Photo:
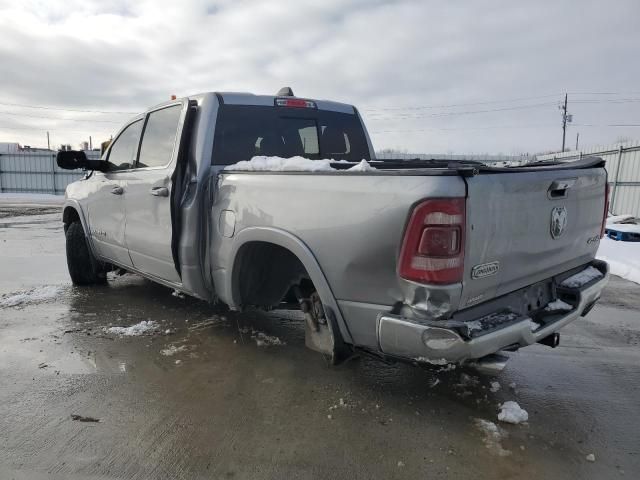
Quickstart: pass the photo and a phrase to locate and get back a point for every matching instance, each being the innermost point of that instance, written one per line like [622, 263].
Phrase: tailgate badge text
[485, 270]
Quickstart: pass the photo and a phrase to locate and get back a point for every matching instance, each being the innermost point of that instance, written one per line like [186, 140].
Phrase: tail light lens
[433, 245]
[606, 210]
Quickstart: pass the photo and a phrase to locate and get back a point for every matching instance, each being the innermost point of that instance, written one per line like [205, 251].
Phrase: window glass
[244, 131]
[159, 137]
[122, 154]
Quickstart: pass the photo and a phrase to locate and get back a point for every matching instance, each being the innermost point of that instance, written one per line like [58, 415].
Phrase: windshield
[244, 131]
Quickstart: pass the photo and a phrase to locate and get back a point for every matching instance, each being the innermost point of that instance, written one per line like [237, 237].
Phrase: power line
[488, 102]
[468, 112]
[65, 109]
[427, 129]
[3, 112]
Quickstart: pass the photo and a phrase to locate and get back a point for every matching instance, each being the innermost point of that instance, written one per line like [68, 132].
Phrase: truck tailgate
[523, 227]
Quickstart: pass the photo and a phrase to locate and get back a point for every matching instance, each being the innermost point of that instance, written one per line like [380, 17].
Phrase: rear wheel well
[264, 273]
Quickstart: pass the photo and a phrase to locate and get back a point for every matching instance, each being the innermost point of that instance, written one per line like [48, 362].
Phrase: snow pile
[510, 412]
[558, 306]
[432, 361]
[264, 340]
[614, 219]
[172, 350]
[623, 258]
[279, 164]
[492, 436]
[533, 326]
[294, 164]
[145, 327]
[35, 295]
[581, 278]
[625, 227]
[363, 166]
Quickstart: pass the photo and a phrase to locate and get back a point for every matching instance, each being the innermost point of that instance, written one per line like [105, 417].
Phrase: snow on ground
[172, 350]
[494, 387]
[38, 199]
[613, 219]
[493, 435]
[264, 340]
[294, 164]
[581, 278]
[558, 306]
[35, 295]
[623, 258]
[143, 328]
[625, 227]
[432, 361]
[511, 412]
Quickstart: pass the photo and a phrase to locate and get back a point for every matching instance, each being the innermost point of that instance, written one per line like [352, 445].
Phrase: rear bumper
[433, 343]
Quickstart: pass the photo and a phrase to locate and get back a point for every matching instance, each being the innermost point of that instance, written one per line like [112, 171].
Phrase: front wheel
[84, 268]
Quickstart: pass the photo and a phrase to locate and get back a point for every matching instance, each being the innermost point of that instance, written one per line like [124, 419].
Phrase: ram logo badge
[558, 221]
[485, 270]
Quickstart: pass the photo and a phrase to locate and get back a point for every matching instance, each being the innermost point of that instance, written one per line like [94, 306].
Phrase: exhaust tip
[552, 340]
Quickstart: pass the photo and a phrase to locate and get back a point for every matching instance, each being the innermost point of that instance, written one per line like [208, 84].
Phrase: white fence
[35, 172]
[623, 167]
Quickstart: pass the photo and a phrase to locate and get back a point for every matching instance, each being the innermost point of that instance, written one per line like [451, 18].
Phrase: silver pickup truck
[425, 260]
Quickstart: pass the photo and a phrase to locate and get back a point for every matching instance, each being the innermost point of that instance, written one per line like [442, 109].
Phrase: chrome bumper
[406, 338]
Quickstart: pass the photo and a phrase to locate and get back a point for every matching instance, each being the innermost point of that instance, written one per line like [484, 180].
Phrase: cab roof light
[295, 102]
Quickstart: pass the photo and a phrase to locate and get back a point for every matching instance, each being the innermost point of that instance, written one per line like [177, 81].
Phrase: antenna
[285, 92]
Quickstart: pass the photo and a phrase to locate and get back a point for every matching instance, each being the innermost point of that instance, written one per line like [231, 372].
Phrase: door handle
[159, 191]
[117, 190]
[558, 188]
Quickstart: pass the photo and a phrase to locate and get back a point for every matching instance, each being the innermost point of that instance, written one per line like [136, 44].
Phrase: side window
[159, 137]
[123, 151]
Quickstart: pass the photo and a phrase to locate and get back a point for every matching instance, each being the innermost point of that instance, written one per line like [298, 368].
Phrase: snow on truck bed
[295, 164]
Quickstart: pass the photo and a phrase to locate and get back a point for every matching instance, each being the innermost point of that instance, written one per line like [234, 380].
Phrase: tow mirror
[74, 159]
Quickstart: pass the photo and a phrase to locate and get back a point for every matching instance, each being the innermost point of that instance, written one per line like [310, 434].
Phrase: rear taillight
[433, 245]
[606, 210]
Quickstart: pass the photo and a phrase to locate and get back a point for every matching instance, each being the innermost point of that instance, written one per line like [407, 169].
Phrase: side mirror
[73, 159]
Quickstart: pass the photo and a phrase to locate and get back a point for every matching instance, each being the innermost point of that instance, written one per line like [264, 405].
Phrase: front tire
[84, 268]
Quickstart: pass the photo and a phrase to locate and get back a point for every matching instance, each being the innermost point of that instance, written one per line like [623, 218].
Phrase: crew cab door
[148, 199]
[105, 203]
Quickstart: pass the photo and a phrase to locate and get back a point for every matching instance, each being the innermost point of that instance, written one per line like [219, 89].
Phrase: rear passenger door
[148, 230]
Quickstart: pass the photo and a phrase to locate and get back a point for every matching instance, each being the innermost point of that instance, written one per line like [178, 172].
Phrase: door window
[122, 154]
[159, 137]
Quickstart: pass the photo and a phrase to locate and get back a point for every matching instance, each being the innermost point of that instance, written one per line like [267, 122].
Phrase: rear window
[244, 131]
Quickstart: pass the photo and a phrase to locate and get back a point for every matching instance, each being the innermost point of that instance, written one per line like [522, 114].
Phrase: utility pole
[564, 121]
[90, 144]
[577, 139]
[48, 144]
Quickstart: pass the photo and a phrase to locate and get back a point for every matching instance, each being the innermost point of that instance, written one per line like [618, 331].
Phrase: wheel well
[263, 274]
[69, 216]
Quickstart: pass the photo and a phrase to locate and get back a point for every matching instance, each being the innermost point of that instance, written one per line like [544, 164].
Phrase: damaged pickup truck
[422, 260]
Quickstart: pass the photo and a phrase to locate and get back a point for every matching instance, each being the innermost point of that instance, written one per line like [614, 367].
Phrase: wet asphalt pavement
[221, 406]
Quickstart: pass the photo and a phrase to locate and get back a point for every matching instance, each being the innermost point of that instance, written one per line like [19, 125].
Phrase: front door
[148, 195]
[105, 205]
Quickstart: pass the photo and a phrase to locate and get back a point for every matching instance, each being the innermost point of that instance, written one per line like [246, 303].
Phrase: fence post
[53, 174]
[615, 181]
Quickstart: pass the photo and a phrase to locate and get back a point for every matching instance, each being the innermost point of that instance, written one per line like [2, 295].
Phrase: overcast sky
[428, 76]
